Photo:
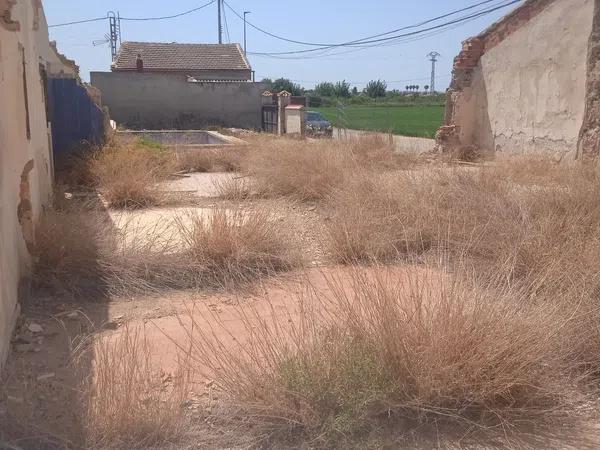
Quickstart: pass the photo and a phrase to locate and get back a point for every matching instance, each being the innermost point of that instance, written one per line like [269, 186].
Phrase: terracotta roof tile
[181, 57]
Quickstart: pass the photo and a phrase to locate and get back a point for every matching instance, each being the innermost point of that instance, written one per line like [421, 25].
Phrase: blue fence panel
[74, 116]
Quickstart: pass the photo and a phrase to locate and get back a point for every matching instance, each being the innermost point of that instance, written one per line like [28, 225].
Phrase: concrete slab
[161, 229]
[201, 184]
[402, 143]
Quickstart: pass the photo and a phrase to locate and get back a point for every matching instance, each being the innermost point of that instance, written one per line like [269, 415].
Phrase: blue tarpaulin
[75, 118]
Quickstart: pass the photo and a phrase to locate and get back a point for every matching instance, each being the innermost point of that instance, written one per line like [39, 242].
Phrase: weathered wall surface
[159, 101]
[25, 156]
[520, 86]
[589, 138]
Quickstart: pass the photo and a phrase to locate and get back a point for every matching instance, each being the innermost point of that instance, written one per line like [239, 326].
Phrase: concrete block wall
[164, 101]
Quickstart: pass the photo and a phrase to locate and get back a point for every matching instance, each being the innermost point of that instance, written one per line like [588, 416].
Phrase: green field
[422, 121]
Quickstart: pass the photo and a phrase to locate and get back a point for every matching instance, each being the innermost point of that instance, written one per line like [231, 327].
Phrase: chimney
[139, 63]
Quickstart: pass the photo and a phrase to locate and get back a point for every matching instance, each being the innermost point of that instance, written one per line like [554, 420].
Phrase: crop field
[419, 120]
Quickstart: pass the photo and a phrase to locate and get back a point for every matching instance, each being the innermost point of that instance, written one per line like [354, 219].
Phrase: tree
[355, 91]
[426, 87]
[342, 89]
[283, 84]
[325, 89]
[407, 87]
[417, 87]
[376, 88]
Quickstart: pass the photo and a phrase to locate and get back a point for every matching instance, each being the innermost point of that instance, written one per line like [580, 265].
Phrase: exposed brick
[589, 136]
[6, 20]
[470, 55]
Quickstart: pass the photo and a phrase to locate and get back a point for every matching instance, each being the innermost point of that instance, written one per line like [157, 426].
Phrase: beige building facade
[26, 168]
[522, 86]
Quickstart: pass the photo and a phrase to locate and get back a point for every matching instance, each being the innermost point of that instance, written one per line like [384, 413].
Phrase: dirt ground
[41, 387]
[52, 359]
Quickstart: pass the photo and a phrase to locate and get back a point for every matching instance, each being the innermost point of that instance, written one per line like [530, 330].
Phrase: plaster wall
[161, 101]
[529, 89]
[25, 157]
[295, 121]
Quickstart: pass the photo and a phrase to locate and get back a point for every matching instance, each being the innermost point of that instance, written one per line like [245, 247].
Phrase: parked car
[317, 125]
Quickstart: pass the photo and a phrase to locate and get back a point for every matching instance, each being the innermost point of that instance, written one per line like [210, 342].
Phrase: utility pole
[114, 35]
[219, 22]
[245, 12]
[433, 58]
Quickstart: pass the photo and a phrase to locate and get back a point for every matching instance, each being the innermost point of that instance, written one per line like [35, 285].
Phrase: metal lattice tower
[433, 56]
[114, 36]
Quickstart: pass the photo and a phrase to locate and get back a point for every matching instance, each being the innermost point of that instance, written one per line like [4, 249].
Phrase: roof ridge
[178, 43]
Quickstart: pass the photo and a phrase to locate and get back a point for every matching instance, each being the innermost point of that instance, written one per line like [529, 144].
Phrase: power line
[135, 18]
[77, 22]
[392, 38]
[328, 55]
[173, 16]
[362, 40]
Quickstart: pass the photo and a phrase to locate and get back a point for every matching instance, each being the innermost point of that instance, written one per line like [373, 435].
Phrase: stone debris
[23, 348]
[35, 328]
[46, 376]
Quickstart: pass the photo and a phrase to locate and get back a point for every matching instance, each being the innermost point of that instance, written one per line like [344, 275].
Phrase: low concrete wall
[160, 101]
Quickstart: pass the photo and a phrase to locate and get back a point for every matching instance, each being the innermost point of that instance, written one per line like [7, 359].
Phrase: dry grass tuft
[377, 218]
[389, 350]
[478, 213]
[301, 169]
[128, 403]
[68, 252]
[312, 169]
[236, 189]
[127, 174]
[374, 151]
[233, 246]
[219, 159]
[85, 255]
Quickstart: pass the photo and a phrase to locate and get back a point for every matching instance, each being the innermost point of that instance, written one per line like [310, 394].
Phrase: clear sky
[328, 21]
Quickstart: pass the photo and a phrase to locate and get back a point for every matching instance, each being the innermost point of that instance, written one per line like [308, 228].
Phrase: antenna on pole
[220, 27]
[113, 37]
[433, 56]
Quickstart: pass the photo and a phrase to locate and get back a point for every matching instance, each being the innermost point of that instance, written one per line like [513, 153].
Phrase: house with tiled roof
[153, 85]
[218, 62]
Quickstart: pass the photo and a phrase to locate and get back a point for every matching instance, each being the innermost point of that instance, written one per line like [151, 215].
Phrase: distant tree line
[326, 92]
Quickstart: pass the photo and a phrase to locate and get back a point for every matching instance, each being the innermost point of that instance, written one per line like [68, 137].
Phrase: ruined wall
[589, 137]
[520, 86]
[25, 157]
[159, 101]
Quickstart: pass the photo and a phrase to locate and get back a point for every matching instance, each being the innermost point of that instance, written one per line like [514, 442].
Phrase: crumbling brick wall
[589, 138]
[6, 19]
[527, 45]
